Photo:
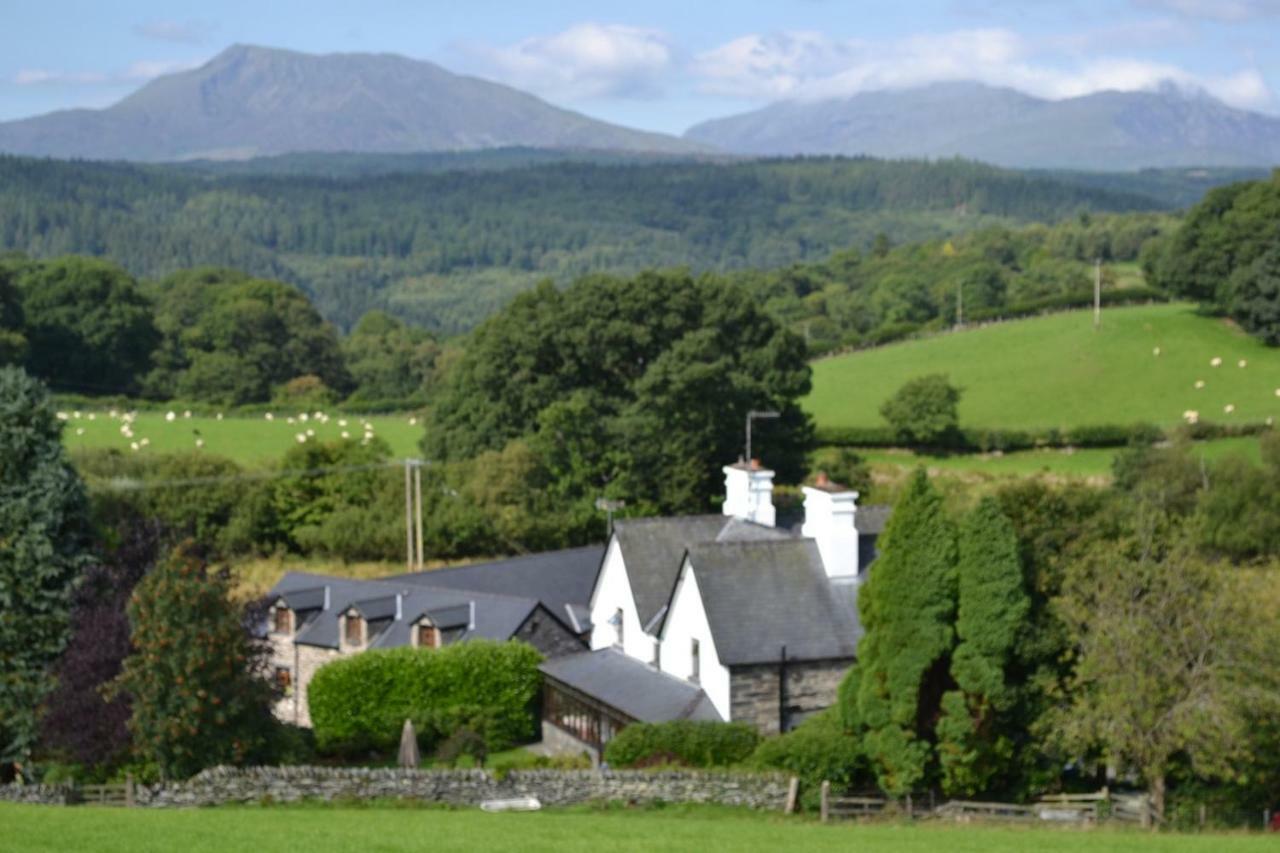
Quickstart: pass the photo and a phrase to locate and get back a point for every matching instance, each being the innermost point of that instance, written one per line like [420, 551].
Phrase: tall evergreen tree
[195, 681]
[908, 608]
[42, 538]
[972, 746]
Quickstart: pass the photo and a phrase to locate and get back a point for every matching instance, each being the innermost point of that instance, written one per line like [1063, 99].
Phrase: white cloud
[586, 60]
[181, 32]
[807, 65]
[137, 72]
[1231, 11]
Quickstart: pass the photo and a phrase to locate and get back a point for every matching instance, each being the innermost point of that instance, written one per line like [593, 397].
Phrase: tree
[13, 343]
[1174, 657]
[388, 359]
[908, 608]
[89, 327]
[923, 411]
[974, 742]
[1255, 297]
[195, 679]
[43, 526]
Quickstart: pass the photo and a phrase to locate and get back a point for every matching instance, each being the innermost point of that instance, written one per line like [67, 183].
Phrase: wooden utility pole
[408, 514]
[417, 493]
[959, 305]
[1097, 294]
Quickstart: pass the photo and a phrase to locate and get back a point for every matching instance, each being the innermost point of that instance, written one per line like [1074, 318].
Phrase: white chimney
[748, 492]
[829, 511]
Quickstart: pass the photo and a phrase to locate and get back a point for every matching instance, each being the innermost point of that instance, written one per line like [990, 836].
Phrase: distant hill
[1108, 131]
[251, 101]
[1057, 372]
[445, 249]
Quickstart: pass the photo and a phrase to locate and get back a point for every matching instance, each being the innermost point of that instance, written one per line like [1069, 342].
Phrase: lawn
[1081, 463]
[1056, 371]
[390, 828]
[248, 440]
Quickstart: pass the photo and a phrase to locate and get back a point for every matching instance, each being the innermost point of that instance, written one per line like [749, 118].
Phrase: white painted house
[727, 617]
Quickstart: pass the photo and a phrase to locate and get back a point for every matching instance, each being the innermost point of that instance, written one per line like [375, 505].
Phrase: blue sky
[659, 64]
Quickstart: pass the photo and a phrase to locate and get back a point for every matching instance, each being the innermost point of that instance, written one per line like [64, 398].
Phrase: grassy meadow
[1056, 371]
[248, 440]
[393, 828]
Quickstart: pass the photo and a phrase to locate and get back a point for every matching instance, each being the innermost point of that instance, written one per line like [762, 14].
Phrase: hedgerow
[359, 704]
[695, 744]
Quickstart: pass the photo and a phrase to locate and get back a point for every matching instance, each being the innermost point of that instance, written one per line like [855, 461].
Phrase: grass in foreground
[247, 440]
[390, 828]
[1056, 371]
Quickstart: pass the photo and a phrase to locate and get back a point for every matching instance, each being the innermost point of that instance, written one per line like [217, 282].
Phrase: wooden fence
[115, 794]
[1065, 808]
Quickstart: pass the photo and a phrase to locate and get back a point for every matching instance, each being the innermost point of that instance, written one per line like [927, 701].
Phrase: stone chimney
[829, 511]
[748, 492]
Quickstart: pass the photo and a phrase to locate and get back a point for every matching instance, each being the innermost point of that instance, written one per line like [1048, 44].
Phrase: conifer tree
[42, 538]
[908, 610]
[195, 678]
[993, 604]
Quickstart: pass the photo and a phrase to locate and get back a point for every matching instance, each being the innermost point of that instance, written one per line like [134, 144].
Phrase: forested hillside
[446, 249]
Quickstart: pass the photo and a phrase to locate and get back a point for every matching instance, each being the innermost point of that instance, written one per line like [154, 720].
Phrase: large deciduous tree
[43, 526]
[195, 679]
[908, 609]
[923, 411]
[973, 743]
[1175, 658]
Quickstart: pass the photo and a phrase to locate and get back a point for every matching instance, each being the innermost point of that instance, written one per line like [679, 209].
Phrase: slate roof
[632, 687]
[652, 549]
[762, 595]
[561, 580]
[497, 617]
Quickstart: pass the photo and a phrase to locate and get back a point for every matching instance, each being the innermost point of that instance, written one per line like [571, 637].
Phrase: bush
[359, 704]
[695, 744]
[818, 749]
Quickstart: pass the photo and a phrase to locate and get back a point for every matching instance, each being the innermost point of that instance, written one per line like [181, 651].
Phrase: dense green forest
[444, 249]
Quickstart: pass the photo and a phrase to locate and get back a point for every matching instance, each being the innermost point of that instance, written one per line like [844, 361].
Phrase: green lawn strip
[248, 440]
[387, 827]
[1083, 463]
[1056, 371]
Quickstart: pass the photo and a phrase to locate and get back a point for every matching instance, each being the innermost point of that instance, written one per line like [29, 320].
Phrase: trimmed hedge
[359, 704]
[816, 750]
[975, 440]
[693, 744]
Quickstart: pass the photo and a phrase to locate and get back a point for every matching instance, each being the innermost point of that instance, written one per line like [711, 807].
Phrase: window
[617, 623]
[354, 633]
[283, 622]
[428, 637]
[284, 680]
[695, 661]
[657, 654]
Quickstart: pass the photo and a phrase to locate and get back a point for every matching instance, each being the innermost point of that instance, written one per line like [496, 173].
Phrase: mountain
[251, 101]
[1109, 131]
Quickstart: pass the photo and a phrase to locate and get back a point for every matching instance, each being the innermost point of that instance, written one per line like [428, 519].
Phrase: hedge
[971, 439]
[818, 749]
[359, 704]
[693, 744]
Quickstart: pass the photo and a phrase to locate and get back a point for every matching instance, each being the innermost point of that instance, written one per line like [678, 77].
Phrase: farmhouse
[726, 617]
[718, 617]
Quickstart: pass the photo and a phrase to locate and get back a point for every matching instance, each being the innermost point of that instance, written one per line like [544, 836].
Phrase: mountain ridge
[1110, 130]
[257, 101]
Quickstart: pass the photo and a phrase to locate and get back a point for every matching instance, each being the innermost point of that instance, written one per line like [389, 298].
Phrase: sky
[659, 64]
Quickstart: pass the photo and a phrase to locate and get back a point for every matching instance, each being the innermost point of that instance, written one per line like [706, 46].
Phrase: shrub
[818, 749]
[923, 411]
[696, 744]
[360, 703]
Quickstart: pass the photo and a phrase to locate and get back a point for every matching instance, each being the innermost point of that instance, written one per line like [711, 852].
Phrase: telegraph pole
[417, 493]
[959, 304]
[1097, 294]
[408, 514]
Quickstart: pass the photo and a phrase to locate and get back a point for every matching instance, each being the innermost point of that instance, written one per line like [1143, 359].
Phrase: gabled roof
[651, 550]
[305, 599]
[561, 580]
[762, 595]
[634, 688]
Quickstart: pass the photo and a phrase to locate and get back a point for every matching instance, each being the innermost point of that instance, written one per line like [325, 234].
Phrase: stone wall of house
[454, 787]
[548, 636]
[302, 661]
[811, 687]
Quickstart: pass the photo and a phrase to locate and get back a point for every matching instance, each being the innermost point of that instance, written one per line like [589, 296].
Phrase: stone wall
[39, 794]
[811, 687]
[454, 787]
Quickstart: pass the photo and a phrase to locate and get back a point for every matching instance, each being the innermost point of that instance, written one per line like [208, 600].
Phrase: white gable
[612, 594]
[687, 621]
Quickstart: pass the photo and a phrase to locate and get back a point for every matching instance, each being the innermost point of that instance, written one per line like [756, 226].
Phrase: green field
[389, 828]
[1056, 371]
[247, 440]
[1080, 463]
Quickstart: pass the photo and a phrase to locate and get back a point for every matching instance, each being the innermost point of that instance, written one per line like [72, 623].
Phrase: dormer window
[428, 636]
[353, 630]
[282, 621]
